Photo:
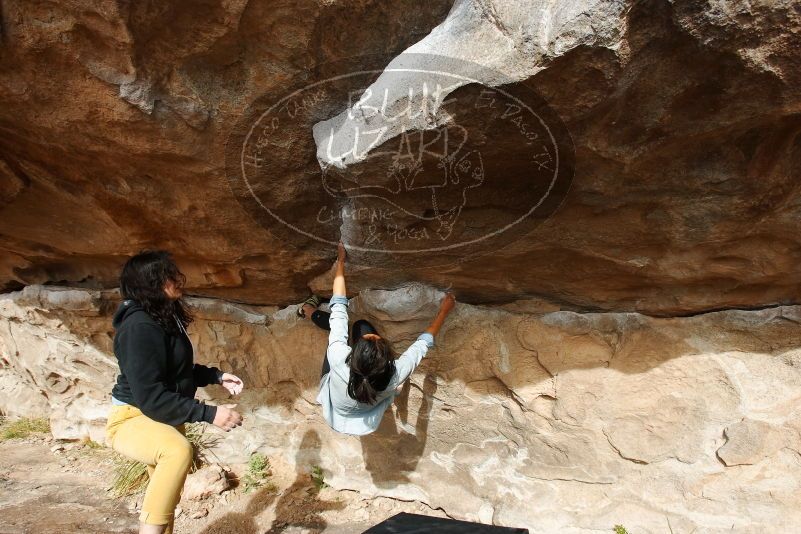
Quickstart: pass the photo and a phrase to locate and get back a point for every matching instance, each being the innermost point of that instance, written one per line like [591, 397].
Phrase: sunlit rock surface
[557, 421]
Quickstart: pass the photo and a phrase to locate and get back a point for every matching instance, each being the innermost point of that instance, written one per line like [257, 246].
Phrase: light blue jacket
[343, 413]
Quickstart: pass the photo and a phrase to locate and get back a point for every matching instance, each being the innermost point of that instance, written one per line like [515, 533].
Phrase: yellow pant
[166, 452]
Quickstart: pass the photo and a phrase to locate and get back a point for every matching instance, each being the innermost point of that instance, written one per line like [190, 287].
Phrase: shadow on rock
[243, 522]
[391, 453]
[300, 505]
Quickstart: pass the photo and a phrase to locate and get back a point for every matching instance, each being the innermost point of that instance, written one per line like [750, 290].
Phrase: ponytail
[360, 388]
[372, 366]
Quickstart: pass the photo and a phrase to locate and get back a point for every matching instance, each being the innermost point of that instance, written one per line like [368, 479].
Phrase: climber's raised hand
[341, 252]
[447, 303]
[445, 306]
[339, 275]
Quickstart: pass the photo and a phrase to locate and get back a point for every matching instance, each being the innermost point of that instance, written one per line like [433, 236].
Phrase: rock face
[683, 118]
[558, 421]
[54, 359]
[748, 441]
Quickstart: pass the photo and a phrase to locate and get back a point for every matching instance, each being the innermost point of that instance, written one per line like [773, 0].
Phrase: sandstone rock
[525, 36]
[64, 367]
[558, 421]
[205, 482]
[18, 398]
[683, 116]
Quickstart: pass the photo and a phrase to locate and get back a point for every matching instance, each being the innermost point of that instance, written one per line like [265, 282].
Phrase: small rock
[200, 513]
[57, 448]
[205, 482]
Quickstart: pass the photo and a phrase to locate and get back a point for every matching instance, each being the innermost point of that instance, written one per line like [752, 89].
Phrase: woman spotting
[155, 390]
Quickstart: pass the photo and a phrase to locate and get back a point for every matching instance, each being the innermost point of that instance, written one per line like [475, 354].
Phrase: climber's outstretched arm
[410, 359]
[445, 307]
[339, 277]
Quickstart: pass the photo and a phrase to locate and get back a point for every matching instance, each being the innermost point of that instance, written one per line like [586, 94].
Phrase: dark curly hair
[372, 365]
[142, 280]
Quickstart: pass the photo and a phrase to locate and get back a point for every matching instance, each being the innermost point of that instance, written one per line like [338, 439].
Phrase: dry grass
[23, 427]
[131, 477]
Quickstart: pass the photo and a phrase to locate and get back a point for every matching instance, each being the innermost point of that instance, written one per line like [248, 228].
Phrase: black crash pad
[420, 524]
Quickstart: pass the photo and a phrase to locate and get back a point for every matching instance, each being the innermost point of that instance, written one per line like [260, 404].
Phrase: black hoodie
[157, 374]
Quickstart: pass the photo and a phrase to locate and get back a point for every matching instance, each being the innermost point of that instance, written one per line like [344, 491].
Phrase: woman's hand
[445, 306]
[447, 303]
[339, 275]
[232, 383]
[227, 418]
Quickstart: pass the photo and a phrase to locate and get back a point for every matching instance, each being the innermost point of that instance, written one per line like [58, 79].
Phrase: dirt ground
[49, 487]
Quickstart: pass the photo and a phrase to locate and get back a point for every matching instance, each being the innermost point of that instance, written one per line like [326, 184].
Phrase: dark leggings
[359, 328]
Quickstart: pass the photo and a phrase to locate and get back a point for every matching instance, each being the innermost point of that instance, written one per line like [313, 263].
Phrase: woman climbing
[358, 383]
[155, 390]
